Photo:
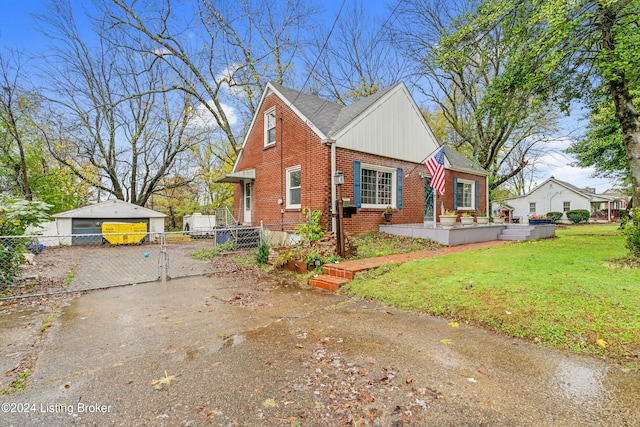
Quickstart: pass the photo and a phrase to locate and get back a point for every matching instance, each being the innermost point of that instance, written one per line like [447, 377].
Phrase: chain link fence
[48, 264]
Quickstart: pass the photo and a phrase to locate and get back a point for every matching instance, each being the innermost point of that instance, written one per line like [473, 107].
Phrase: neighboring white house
[89, 219]
[554, 195]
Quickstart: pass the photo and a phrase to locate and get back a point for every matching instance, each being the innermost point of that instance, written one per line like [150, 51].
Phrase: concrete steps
[517, 232]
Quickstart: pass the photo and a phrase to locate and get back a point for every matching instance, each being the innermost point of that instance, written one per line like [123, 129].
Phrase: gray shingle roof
[350, 112]
[322, 113]
[458, 160]
[330, 117]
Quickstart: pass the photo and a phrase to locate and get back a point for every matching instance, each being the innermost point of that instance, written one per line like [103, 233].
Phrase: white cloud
[202, 117]
[557, 164]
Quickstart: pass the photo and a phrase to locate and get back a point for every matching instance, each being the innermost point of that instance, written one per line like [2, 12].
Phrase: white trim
[394, 186]
[472, 184]
[288, 172]
[266, 114]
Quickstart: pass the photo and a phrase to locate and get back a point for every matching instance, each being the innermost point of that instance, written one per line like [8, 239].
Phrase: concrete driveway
[221, 351]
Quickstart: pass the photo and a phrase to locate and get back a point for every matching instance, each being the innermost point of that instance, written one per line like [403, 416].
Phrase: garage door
[85, 230]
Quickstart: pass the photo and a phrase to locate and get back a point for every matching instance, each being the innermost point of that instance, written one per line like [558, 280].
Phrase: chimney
[591, 190]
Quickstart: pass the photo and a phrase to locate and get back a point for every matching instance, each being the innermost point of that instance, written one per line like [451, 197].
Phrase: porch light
[339, 177]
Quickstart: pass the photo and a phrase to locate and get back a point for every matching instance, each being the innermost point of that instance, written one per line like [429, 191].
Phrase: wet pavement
[213, 351]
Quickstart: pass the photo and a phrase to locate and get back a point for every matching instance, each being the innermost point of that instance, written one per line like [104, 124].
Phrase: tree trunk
[626, 112]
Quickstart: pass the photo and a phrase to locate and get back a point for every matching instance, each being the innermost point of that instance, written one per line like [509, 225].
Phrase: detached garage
[89, 220]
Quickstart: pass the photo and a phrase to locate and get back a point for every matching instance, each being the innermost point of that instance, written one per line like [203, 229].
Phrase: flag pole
[423, 160]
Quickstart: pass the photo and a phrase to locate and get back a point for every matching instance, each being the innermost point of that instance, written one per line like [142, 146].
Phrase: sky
[18, 30]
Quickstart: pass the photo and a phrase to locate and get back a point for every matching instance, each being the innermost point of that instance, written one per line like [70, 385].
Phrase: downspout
[332, 144]
[551, 198]
[281, 178]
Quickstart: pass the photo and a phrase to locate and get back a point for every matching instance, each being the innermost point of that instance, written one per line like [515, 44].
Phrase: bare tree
[355, 60]
[112, 123]
[15, 107]
[222, 57]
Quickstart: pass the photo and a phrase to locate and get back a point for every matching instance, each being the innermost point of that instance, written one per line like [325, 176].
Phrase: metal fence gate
[53, 264]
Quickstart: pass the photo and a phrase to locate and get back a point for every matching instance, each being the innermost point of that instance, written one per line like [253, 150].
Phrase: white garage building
[89, 219]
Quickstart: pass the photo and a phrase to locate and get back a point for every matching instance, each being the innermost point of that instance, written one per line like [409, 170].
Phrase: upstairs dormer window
[270, 127]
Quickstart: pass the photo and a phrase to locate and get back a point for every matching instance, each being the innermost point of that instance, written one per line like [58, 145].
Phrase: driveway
[245, 350]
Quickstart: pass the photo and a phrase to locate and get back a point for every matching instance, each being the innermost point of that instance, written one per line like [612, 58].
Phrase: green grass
[565, 293]
[380, 244]
[19, 384]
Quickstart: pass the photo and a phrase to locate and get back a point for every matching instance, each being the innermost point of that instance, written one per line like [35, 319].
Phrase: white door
[247, 202]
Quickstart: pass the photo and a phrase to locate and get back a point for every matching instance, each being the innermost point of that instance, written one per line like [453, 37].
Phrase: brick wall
[447, 197]
[296, 144]
[367, 219]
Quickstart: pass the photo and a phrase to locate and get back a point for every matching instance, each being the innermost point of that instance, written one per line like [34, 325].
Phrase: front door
[247, 202]
[429, 203]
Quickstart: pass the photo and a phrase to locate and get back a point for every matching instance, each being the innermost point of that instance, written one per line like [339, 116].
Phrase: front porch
[460, 235]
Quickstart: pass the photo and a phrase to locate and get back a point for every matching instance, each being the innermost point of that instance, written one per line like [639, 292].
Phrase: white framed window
[378, 186]
[293, 187]
[532, 207]
[466, 194]
[566, 206]
[270, 127]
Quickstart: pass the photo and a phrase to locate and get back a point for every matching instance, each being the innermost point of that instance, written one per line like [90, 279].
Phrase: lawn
[565, 292]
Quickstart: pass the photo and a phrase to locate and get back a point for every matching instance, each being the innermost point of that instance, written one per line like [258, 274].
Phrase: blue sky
[18, 30]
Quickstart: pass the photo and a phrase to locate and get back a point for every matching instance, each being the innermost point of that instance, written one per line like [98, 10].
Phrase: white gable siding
[550, 197]
[393, 127]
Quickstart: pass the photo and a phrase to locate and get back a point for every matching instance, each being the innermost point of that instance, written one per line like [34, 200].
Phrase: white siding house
[554, 195]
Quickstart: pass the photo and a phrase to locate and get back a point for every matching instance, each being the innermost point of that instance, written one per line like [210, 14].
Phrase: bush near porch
[552, 292]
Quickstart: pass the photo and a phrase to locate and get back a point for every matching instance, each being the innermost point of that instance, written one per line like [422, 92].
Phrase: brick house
[296, 142]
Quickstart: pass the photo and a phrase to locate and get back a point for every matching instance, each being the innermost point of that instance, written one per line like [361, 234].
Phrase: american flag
[435, 167]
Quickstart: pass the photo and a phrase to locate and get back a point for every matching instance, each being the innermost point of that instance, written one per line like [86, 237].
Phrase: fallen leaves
[163, 381]
[269, 403]
[446, 341]
[454, 324]
[602, 343]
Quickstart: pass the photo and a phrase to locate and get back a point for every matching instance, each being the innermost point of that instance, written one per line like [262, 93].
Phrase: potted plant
[448, 218]
[499, 219]
[481, 219]
[466, 219]
[387, 213]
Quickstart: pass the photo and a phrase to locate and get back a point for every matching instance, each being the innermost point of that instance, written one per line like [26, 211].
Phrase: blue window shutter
[400, 183]
[357, 193]
[477, 207]
[455, 193]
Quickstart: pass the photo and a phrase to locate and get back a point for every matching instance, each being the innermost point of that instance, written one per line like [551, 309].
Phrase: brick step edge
[330, 283]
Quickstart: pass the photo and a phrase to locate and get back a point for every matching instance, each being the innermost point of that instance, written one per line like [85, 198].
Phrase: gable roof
[580, 191]
[111, 209]
[330, 120]
[350, 112]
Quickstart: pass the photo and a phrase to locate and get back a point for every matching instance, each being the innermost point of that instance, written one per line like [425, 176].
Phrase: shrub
[555, 216]
[631, 231]
[579, 215]
[262, 257]
[312, 229]
[15, 217]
